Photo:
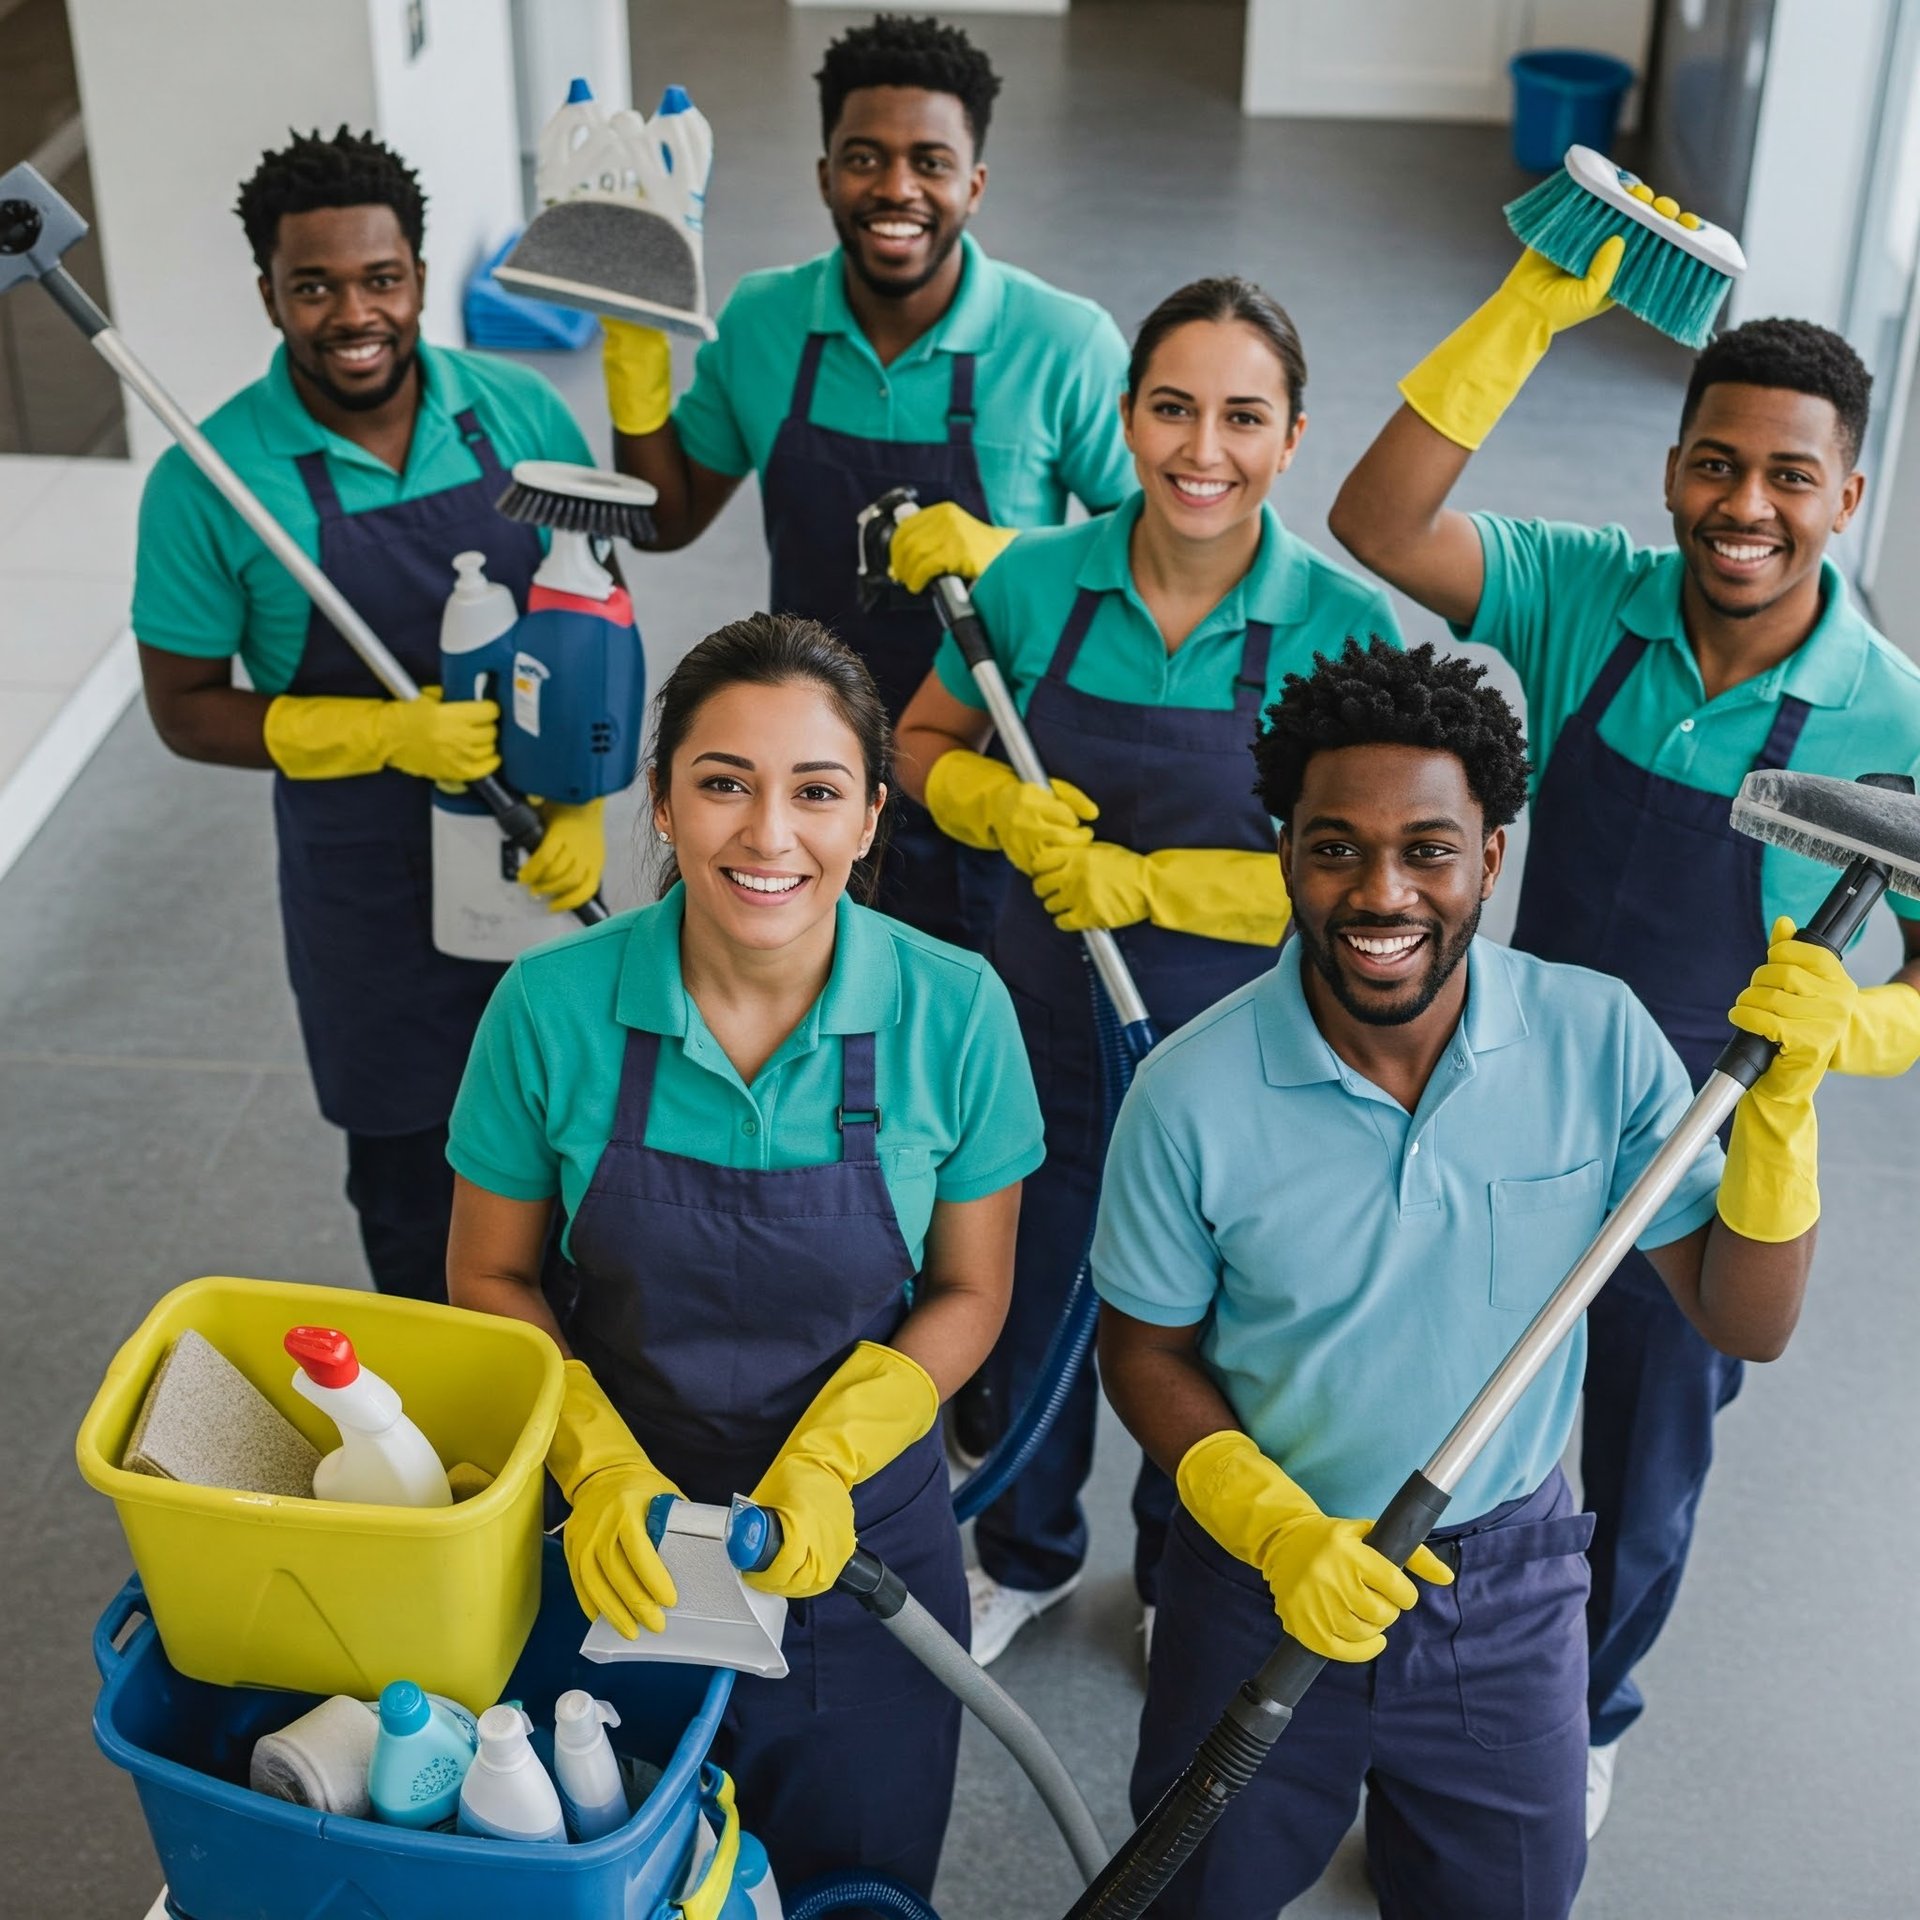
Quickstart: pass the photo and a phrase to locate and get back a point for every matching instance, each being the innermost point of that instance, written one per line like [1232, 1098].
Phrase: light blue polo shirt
[1047, 381]
[205, 584]
[959, 1118]
[1556, 601]
[1314, 605]
[1360, 1271]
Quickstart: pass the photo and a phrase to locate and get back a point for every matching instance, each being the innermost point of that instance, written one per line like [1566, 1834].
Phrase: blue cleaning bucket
[1564, 98]
[229, 1853]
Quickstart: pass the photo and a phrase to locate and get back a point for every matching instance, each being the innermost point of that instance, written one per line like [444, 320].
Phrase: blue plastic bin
[1564, 98]
[232, 1854]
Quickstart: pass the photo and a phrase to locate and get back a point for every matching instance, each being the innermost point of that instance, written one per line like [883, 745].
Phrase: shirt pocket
[1540, 1228]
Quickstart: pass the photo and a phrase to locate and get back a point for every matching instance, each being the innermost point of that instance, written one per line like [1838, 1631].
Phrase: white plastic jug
[579, 151]
[506, 1794]
[684, 142]
[383, 1460]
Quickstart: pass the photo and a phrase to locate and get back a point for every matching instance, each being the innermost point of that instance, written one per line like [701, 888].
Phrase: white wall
[1810, 155]
[180, 98]
[1419, 59]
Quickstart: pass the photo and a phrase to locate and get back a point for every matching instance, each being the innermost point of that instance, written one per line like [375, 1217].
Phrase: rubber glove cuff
[325, 737]
[1883, 1037]
[873, 1409]
[1223, 893]
[637, 364]
[945, 538]
[1470, 379]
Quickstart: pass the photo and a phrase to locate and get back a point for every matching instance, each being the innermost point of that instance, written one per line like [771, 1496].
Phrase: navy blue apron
[814, 486]
[1468, 1734]
[1644, 878]
[1162, 777]
[713, 1303]
[388, 1019]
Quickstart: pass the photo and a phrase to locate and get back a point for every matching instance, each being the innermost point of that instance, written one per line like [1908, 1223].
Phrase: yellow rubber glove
[1224, 893]
[1803, 999]
[321, 737]
[1470, 379]
[945, 539]
[637, 365]
[567, 864]
[984, 803]
[1333, 1593]
[1883, 1037]
[610, 1484]
[872, 1410]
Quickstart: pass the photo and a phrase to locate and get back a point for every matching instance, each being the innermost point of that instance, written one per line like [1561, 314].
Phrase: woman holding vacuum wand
[1140, 648]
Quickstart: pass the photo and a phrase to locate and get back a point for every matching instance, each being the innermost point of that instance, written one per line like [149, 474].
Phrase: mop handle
[519, 823]
[955, 606]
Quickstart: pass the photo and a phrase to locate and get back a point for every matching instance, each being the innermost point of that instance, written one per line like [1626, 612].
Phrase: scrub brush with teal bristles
[1677, 267]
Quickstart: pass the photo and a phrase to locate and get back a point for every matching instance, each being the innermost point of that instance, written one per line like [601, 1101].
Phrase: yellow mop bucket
[251, 1589]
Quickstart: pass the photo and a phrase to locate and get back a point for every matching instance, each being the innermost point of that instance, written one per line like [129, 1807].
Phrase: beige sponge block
[205, 1423]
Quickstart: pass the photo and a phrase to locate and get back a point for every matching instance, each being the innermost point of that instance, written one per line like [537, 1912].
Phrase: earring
[666, 839]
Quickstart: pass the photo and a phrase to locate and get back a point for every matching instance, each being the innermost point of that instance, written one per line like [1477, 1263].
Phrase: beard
[1427, 988]
[358, 401]
[945, 239]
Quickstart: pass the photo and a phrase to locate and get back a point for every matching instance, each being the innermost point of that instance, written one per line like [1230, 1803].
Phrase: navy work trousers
[1035, 1535]
[402, 1188]
[1653, 1387]
[1468, 1735]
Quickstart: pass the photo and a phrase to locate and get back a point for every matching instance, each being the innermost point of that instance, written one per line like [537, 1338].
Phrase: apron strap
[637, 1066]
[312, 469]
[481, 447]
[960, 402]
[1250, 688]
[1784, 735]
[1066, 649]
[1611, 678]
[801, 406]
[858, 1115]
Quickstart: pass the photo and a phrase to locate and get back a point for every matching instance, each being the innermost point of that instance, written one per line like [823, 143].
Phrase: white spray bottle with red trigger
[384, 1460]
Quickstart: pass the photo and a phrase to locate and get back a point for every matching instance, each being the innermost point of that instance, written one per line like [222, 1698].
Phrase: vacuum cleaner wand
[1871, 827]
[875, 529]
[36, 228]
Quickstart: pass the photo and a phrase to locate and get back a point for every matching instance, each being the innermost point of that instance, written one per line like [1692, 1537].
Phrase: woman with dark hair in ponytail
[1142, 647]
[787, 1136]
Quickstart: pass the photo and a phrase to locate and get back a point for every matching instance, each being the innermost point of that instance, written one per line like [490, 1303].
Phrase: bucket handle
[130, 1600]
[706, 1900]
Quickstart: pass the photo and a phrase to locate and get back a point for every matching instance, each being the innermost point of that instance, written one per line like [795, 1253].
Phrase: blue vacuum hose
[858, 1893]
[1121, 1049]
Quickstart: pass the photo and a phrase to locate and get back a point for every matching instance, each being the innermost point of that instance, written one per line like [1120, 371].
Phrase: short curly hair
[346, 170]
[1794, 354]
[1377, 695]
[899, 51]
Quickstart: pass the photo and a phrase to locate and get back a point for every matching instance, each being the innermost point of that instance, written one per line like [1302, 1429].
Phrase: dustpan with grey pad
[611, 255]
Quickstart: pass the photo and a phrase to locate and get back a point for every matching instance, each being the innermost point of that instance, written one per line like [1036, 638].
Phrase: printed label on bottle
[529, 676]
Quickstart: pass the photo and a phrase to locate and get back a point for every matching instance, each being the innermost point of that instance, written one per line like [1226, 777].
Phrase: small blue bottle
[420, 1757]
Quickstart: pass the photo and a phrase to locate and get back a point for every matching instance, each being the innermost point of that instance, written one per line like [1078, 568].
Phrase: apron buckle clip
[858, 1116]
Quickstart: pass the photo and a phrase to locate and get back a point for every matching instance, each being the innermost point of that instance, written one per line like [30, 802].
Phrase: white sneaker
[1147, 1611]
[1600, 1765]
[1000, 1612]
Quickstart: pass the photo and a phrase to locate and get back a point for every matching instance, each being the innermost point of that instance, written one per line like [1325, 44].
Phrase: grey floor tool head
[1835, 821]
[614, 257]
[36, 226]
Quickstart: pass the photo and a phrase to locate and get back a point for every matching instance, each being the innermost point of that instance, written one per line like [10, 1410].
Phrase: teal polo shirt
[1314, 604]
[1361, 1271]
[1557, 600]
[960, 1118]
[205, 584]
[1047, 383]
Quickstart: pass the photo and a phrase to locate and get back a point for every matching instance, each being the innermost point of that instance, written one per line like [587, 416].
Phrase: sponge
[206, 1424]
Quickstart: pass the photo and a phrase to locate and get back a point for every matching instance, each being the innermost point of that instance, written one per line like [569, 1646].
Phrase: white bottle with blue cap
[684, 143]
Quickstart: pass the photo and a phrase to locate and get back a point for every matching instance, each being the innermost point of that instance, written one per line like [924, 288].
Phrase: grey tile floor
[157, 1122]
